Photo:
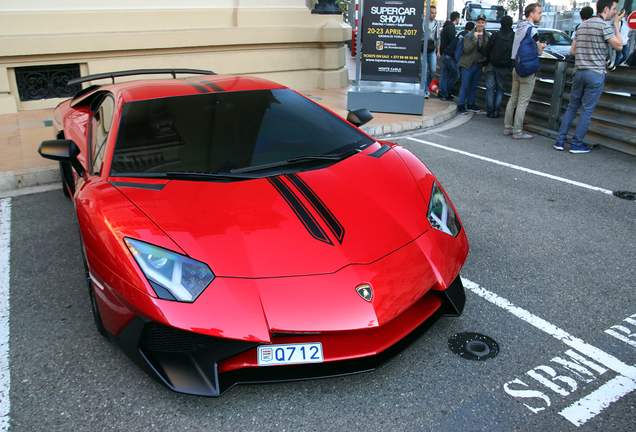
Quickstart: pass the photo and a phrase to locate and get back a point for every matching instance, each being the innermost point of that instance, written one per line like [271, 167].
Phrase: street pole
[427, 8]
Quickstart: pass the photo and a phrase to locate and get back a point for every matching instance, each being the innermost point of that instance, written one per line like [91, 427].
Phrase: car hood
[557, 51]
[563, 49]
[315, 222]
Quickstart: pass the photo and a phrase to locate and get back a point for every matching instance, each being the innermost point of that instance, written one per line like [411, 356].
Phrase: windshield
[225, 131]
[493, 14]
[554, 38]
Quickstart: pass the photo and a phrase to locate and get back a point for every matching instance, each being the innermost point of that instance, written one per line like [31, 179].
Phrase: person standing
[590, 51]
[432, 49]
[470, 64]
[497, 66]
[450, 71]
[586, 13]
[522, 87]
[621, 56]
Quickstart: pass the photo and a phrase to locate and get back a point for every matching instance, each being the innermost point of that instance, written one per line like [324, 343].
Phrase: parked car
[235, 231]
[559, 44]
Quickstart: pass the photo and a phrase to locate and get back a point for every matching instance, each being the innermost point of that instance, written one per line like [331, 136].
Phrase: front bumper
[202, 365]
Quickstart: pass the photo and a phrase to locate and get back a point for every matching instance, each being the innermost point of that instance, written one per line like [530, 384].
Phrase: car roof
[159, 88]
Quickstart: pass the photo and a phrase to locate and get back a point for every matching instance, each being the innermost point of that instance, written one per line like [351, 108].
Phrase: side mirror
[62, 150]
[359, 117]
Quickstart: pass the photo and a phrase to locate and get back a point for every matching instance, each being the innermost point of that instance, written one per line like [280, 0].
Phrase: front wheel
[97, 316]
[66, 173]
[99, 324]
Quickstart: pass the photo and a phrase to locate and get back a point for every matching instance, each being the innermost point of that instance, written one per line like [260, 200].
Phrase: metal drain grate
[630, 196]
[473, 346]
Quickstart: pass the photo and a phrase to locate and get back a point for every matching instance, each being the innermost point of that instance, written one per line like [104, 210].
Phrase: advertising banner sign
[392, 40]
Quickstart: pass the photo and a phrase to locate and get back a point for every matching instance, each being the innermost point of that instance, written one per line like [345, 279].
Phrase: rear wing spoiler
[113, 75]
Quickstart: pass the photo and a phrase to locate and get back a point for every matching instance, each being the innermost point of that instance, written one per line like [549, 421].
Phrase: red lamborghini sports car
[234, 231]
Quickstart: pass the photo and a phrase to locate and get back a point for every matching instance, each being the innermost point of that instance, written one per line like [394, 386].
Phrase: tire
[66, 173]
[99, 324]
[97, 316]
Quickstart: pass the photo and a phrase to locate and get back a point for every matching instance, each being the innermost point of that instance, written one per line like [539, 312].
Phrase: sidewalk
[21, 134]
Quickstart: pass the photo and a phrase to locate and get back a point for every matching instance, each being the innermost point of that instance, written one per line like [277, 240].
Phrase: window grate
[46, 82]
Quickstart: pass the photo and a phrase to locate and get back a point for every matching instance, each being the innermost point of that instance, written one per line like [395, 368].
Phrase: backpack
[499, 51]
[459, 50]
[452, 46]
[527, 58]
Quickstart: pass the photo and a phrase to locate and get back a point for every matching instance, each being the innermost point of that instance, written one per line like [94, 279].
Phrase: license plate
[270, 355]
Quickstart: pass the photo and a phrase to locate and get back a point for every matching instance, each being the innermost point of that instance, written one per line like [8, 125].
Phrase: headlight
[440, 213]
[171, 275]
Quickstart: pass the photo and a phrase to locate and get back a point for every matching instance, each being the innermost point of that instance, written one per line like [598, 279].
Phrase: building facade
[44, 43]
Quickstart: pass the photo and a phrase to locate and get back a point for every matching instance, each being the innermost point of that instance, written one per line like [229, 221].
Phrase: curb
[20, 179]
[427, 122]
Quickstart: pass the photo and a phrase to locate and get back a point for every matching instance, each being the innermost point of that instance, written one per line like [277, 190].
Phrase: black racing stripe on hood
[334, 225]
[300, 210]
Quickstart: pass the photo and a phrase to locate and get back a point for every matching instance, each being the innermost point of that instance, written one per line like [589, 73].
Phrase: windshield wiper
[295, 160]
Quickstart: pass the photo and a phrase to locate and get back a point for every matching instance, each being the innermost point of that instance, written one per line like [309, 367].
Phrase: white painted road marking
[516, 167]
[5, 374]
[591, 405]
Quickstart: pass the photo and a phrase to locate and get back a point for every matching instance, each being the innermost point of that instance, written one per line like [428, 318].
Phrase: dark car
[558, 44]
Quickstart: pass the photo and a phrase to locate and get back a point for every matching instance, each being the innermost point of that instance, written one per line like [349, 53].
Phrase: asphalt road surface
[551, 277]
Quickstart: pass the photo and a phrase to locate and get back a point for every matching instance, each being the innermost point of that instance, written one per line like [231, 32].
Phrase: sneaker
[507, 131]
[497, 115]
[490, 115]
[427, 95]
[473, 108]
[450, 97]
[521, 135]
[461, 109]
[579, 149]
[558, 146]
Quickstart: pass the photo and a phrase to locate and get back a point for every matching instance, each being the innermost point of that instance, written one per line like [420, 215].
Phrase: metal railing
[613, 122]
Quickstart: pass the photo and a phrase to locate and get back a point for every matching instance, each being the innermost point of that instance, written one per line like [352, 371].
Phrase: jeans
[621, 56]
[587, 87]
[470, 80]
[450, 75]
[495, 82]
[520, 95]
[431, 66]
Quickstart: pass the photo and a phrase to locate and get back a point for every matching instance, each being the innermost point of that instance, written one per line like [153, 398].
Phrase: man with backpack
[475, 43]
[590, 51]
[526, 50]
[450, 73]
[451, 56]
[497, 66]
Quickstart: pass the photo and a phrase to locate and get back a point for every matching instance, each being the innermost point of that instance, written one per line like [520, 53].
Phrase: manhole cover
[473, 346]
[630, 196]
